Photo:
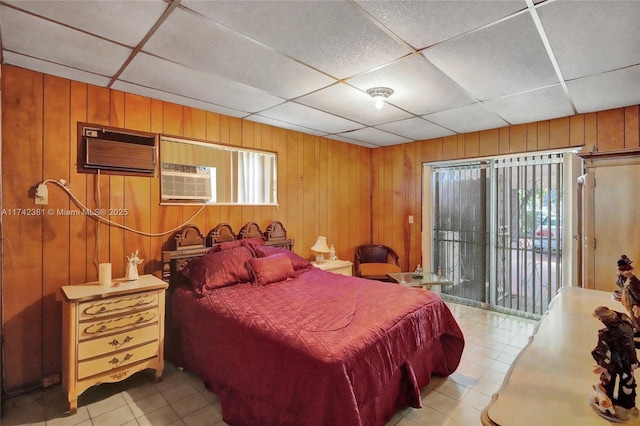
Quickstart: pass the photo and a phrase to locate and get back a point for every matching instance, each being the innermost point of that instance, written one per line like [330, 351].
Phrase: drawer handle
[119, 305]
[118, 323]
[117, 344]
[115, 361]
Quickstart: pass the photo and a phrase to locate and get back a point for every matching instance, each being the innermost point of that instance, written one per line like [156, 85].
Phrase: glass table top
[412, 280]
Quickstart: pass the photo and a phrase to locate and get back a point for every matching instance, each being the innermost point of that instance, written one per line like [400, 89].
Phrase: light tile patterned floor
[493, 340]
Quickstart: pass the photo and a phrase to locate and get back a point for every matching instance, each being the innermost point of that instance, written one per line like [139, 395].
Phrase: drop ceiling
[454, 66]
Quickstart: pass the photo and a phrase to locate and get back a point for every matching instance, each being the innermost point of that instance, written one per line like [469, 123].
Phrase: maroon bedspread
[319, 349]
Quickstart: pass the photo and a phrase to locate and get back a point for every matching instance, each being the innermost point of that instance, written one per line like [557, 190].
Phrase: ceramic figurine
[629, 291]
[418, 272]
[624, 264]
[614, 396]
[132, 267]
[332, 253]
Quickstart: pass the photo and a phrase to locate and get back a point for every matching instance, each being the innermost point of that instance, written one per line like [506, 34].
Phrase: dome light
[379, 95]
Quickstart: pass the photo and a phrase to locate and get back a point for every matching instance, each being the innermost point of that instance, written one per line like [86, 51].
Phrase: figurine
[630, 290]
[624, 263]
[132, 267]
[418, 272]
[332, 253]
[616, 357]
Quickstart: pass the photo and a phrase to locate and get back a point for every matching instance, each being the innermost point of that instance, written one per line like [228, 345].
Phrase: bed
[284, 343]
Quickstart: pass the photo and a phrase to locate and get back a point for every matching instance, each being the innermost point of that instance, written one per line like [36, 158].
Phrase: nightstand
[343, 267]
[111, 332]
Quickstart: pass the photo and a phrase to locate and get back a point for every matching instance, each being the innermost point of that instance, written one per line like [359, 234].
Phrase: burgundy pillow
[219, 269]
[253, 242]
[297, 261]
[226, 245]
[195, 271]
[270, 269]
[247, 242]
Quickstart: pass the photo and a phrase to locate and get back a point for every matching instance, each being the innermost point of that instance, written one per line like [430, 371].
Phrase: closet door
[611, 217]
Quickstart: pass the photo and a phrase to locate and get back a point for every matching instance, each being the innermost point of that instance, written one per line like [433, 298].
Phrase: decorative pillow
[270, 269]
[219, 269]
[247, 242]
[226, 245]
[253, 242]
[195, 271]
[297, 261]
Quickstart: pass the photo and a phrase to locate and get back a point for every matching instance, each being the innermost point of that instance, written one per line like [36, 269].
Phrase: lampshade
[321, 245]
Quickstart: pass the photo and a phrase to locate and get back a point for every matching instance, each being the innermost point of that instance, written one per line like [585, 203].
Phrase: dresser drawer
[116, 305]
[92, 329]
[116, 360]
[117, 342]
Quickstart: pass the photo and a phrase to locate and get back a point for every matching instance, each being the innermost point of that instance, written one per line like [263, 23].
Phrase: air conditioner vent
[116, 150]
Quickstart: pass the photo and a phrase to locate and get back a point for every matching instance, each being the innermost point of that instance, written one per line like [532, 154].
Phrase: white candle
[104, 274]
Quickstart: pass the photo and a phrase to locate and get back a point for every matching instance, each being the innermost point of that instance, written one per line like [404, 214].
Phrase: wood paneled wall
[323, 189]
[397, 170]
[352, 195]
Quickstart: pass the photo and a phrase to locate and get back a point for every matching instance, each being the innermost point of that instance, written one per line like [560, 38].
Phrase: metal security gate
[497, 231]
[529, 241]
[460, 229]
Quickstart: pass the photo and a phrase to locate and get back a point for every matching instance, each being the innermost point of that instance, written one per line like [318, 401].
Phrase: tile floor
[493, 340]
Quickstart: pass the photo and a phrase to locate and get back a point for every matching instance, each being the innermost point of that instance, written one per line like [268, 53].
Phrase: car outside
[548, 234]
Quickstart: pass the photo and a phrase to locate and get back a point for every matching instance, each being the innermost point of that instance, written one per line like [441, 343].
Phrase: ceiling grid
[454, 66]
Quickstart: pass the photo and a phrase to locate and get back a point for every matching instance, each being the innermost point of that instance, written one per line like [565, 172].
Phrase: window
[193, 172]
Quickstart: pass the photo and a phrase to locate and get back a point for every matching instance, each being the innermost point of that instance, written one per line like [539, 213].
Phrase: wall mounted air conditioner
[182, 182]
[115, 150]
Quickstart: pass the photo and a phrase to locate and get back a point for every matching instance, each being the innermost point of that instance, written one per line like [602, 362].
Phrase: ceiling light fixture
[379, 94]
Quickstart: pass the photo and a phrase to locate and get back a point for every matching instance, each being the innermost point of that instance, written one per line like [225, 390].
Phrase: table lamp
[320, 247]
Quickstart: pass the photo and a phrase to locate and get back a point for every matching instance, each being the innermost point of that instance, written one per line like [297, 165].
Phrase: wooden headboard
[189, 243]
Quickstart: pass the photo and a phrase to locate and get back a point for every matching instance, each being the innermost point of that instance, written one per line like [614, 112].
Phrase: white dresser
[111, 332]
[550, 381]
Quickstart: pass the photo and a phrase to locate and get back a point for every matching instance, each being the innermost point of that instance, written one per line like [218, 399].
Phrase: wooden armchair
[374, 261]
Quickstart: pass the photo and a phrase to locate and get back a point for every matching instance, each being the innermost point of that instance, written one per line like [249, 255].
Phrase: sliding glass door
[529, 198]
[497, 230]
[459, 228]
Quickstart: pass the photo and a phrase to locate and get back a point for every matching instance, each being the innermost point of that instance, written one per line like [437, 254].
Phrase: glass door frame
[572, 166]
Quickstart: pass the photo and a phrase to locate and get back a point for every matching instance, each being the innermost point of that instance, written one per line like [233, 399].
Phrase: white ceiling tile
[416, 129]
[59, 44]
[311, 118]
[274, 60]
[535, 105]
[176, 99]
[614, 89]
[328, 35]
[54, 69]
[373, 136]
[147, 70]
[590, 37]
[506, 58]
[284, 125]
[419, 87]
[352, 104]
[341, 138]
[425, 23]
[125, 21]
[469, 118]
[232, 56]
